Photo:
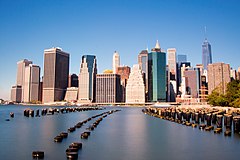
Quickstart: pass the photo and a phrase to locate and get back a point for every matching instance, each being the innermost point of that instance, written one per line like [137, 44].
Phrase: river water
[125, 135]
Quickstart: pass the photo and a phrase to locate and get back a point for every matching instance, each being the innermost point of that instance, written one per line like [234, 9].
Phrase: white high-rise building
[21, 65]
[135, 90]
[116, 62]
[31, 84]
[87, 79]
[172, 63]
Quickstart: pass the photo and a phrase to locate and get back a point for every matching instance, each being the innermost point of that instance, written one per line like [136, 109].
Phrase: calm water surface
[128, 134]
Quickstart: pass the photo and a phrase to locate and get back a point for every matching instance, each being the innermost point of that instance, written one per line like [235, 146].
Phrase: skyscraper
[135, 90]
[31, 84]
[218, 77]
[87, 79]
[192, 77]
[116, 62]
[206, 54]
[156, 75]
[143, 63]
[55, 76]
[172, 75]
[124, 72]
[108, 88]
[21, 65]
[16, 94]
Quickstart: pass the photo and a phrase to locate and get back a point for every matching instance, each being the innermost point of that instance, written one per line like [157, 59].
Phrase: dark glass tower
[206, 54]
[157, 75]
[55, 77]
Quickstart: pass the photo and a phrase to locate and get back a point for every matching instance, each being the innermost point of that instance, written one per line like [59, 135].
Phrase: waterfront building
[55, 76]
[181, 69]
[72, 80]
[172, 75]
[108, 88]
[116, 62]
[218, 77]
[135, 89]
[71, 94]
[21, 65]
[156, 75]
[16, 94]
[124, 72]
[143, 63]
[206, 54]
[87, 79]
[192, 80]
[31, 84]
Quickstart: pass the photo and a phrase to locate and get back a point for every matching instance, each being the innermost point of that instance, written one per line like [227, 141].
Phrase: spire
[157, 45]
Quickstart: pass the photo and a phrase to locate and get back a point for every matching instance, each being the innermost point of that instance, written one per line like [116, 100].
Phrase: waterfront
[128, 134]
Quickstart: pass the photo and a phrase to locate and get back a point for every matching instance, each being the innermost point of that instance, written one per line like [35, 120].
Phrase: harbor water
[128, 134]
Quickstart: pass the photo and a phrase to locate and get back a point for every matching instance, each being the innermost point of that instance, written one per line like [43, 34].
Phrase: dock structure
[208, 119]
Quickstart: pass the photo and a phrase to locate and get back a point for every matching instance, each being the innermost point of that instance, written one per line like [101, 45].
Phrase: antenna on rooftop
[205, 32]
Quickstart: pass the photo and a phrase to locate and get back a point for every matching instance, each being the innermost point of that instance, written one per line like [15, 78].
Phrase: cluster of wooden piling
[51, 111]
[72, 150]
[205, 118]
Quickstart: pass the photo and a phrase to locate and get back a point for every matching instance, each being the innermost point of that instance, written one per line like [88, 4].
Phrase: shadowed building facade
[143, 63]
[124, 72]
[55, 76]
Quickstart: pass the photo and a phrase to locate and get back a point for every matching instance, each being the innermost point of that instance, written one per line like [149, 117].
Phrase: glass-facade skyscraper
[206, 54]
[157, 75]
[87, 79]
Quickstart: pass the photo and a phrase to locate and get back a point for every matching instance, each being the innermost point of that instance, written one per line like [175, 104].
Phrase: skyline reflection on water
[128, 134]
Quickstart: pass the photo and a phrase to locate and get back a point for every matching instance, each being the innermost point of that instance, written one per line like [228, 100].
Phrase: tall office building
[172, 64]
[87, 79]
[192, 79]
[108, 88]
[206, 54]
[135, 90]
[116, 62]
[31, 84]
[16, 94]
[55, 76]
[143, 63]
[172, 75]
[124, 72]
[21, 65]
[72, 80]
[156, 75]
[218, 77]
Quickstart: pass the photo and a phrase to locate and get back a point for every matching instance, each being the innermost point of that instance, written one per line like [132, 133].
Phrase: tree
[231, 98]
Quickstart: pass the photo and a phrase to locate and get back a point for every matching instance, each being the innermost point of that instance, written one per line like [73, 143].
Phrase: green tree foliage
[231, 98]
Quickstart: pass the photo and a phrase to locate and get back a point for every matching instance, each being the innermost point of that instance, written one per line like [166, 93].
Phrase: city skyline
[25, 36]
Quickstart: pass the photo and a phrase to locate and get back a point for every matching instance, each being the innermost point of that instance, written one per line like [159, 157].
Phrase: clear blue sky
[100, 27]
